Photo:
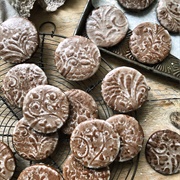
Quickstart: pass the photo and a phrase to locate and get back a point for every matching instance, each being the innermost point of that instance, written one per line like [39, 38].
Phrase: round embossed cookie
[19, 80]
[39, 172]
[7, 162]
[94, 143]
[45, 108]
[106, 26]
[18, 40]
[72, 168]
[82, 108]
[131, 136]
[150, 43]
[124, 89]
[77, 58]
[168, 14]
[32, 145]
[163, 152]
[135, 4]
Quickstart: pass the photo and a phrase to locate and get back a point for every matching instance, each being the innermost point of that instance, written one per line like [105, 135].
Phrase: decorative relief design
[122, 48]
[7, 162]
[45, 108]
[19, 80]
[77, 58]
[150, 43]
[40, 172]
[17, 44]
[124, 89]
[162, 151]
[168, 13]
[95, 144]
[136, 4]
[82, 108]
[131, 136]
[170, 66]
[106, 26]
[72, 168]
[23, 7]
[32, 145]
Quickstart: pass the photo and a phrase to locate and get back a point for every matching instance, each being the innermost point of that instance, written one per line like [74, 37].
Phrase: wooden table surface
[164, 94]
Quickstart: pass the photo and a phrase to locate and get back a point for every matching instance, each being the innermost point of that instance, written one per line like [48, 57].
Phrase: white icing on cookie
[18, 40]
[32, 145]
[168, 13]
[82, 107]
[136, 4]
[94, 143]
[72, 168]
[39, 171]
[150, 43]
[19, 80]
[7, 162]
[163, 151]
[131, 136]
[124, 89]
[106, 26]
[45, 108]
[77, 58]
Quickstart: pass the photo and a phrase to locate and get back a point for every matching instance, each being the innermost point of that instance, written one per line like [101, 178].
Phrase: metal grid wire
[9, 115]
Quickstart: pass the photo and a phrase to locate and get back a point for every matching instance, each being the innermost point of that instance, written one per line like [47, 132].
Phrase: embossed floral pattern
[45, 108]
[7, 162]
[150, 43]
[106, 26]
[163, 151]
[17, 44]
[168, 13]
[40, 172]
[32, 145]
[82, 107]
[131, 136]
[124, 89]
[19, 80]
[72, 168]
[77, 58]
[94, 143]
[136, 4]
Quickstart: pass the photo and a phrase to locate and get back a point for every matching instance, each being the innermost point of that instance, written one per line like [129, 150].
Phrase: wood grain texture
[164, 94]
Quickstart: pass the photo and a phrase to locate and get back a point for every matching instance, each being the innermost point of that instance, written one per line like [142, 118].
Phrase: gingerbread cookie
[39, 172]
[7, 162]
[18, 40]
[82, 108]
[131, 136]
[124, 89]
[94, 143]
[106, 26]
[168, 14]
[163, 152]
[45, 108]
[19, 80]
[150, 43]
[135, 4]
[77, 58]
[32, 145]
[72, 168]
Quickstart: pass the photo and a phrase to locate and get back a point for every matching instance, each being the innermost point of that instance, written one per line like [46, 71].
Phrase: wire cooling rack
[9, 115]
